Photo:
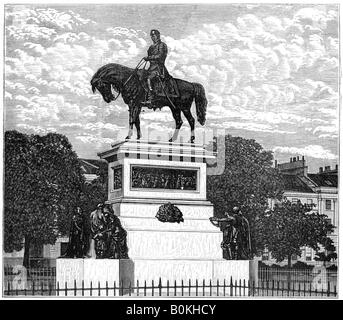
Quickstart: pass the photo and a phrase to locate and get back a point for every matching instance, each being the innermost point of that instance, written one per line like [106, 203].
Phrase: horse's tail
[200, 102]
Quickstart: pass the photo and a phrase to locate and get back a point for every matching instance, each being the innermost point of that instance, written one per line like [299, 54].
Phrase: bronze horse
[128, 82]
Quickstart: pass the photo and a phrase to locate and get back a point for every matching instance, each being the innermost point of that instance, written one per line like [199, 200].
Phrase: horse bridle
[128, 79]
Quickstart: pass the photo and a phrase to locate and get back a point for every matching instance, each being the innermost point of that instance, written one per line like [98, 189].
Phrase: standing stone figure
[78, 244]
[236, 242]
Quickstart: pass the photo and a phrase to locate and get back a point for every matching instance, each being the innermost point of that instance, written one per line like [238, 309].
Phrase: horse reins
[129, 78]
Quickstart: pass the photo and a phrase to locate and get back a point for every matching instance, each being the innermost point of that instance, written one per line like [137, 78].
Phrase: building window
[328, 205]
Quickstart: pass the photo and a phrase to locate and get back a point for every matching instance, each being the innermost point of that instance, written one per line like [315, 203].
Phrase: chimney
[297, 158]
[290, 160]
[303, 158]
[294, 159]
[336, 167]
[327, 168]
[320, 169]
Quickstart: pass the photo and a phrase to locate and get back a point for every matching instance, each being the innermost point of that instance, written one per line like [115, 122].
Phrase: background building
[320, 189]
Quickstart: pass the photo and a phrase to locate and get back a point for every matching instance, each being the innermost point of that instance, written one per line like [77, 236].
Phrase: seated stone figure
[100, 235]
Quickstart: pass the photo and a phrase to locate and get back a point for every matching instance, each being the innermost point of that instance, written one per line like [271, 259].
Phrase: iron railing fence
[308, 277]
[182, 289]
[21, 277]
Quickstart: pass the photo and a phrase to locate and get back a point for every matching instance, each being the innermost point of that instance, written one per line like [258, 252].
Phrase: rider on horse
[157, 54]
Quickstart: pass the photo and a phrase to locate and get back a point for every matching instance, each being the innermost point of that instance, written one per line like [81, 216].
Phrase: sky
[270, 72]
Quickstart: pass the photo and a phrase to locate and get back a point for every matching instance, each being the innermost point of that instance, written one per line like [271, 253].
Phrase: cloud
[264, 73]
[314, 151]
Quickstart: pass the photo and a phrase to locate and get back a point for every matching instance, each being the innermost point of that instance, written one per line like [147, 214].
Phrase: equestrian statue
[153, 88]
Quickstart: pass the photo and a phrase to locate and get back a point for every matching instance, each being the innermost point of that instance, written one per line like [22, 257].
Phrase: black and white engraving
[171, 149]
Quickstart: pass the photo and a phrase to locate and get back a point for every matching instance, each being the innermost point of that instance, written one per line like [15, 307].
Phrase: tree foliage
[290, 226]
[43, 183]
[248, 181]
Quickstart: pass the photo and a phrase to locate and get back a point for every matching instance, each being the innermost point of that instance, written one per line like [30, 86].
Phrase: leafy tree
[290, 226]
[43, 183]
[248, 181]
[328, 254]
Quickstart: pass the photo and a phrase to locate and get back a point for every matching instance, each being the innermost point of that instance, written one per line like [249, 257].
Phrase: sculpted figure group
[99, 235]
[236, 242]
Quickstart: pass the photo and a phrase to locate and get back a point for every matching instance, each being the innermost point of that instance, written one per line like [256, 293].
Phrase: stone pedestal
[143, 176]
[82, 277]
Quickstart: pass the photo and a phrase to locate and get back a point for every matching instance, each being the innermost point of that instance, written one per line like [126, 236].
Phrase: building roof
[92, 166]
[324, 180]
[296, 183]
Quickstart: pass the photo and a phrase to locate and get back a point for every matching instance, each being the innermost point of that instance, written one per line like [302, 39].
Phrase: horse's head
[104, 87]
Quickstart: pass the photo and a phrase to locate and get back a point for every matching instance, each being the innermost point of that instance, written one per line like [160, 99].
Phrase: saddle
[161, 85]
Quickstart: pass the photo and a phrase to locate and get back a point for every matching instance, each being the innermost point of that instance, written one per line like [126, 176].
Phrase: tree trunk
[26, 261]
[289, 266]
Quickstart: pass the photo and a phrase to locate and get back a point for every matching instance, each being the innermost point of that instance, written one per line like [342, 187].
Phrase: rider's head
[155, 35]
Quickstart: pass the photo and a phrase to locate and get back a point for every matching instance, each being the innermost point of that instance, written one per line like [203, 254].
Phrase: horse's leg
[178, 124]
[191, 121]
[131, 122]
[137, 121]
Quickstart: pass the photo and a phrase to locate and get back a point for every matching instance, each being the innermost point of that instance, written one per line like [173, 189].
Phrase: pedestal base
[91, 277]
[107, 277]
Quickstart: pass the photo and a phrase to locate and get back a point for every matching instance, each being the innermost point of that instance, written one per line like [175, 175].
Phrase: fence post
[240, 287]
[182, 287]
[130, 289]
[160, 286]
[8, 288]
[114, 288]
[210, 288]
[137, 287]
[310, 290]
[328, 291]
[65, 289]
[83, 287]
[244, 287]
[174, 288]
[91, 289]
[203, 287]
[167, 288]
[58, 288]
[196, 287]
[231, 287]
[144, 288]
[152, 287]
[106, 288]
[334, 291]
[74, 287]
[224, 288]
[189, 287]
[121, 285]
[217, 287]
